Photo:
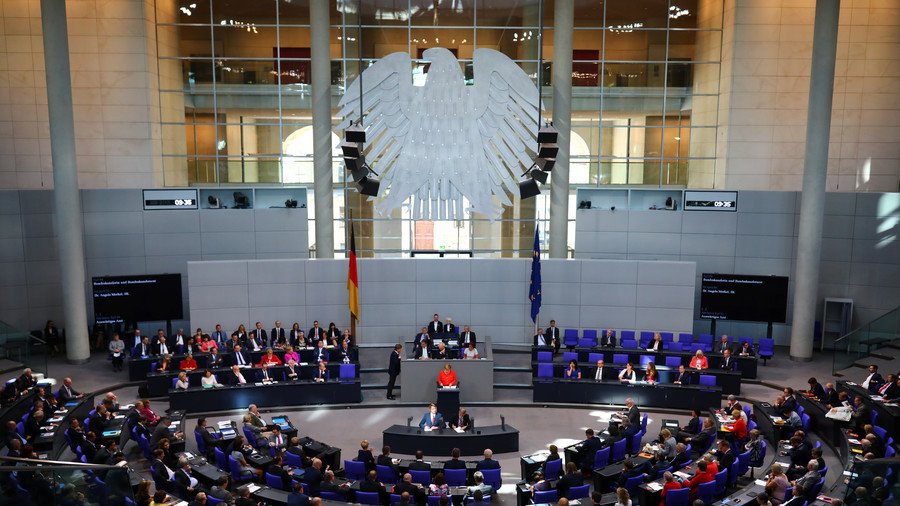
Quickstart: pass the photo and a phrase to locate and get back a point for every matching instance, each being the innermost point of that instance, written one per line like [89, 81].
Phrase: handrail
[887, 313]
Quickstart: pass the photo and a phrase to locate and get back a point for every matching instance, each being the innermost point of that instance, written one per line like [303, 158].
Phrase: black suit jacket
[276, 334]
[685, 378]
[721, 349]
[418, 465]
[232, 379]
[568, 481]
[586, 453]
[183, 482]
[679, 460]
[394, 365]
[726, 459]
[157, 349]
[312, 334]
[384, 460]
[608, 341]
[434, 328]
[234, 360]
[159, 474]
[312, 477]
[790, 404]
[465, 337]
[551, 333]
[693, 426]
[454, 464]
[727, 364]
[466, 421]
[891, 392]
[634, 416]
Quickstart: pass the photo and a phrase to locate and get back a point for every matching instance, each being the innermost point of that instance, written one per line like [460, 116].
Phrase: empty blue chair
[706, 492]
[646, 359]
[632, 484]
[570, 355]
[175, 380]
[570, 338]
[804, 421]
[705, 339]
[331, 496]
[386, 474]
[733, 474]
[743, 463]
[767, 349]
[221, 461]
[210, 501]
[889, 452]
[748, 410]
[578, 492]
[355, 470]
[824, 470]
[661, 472]
[545, 370]
[686, 463]
[422, 477]
[395, 498]
[751, 425]
[646, 337]
[20, 428]
[455, 477]
[618, 451]
[251, 437]
[707, 380]
[434, 500]
[814, 491]
[546, 497]
[881, 432]
[587, 342]
[673, 362]
[691, 347]
[144, 445]
[644, 423]
[347, 372]
[553, 468]
[594, 357]
[274, 482]
[590, 334]
[629, 344]
[492, 477]
[601, 458]
[627, 335]
[368, 498]
[545, 356]
[685, 337]
[679, 497]
[667, 337]
[620, 358]
[634, 444]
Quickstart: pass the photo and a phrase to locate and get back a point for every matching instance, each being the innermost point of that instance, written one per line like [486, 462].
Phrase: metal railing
[862, 341]
[22, 347]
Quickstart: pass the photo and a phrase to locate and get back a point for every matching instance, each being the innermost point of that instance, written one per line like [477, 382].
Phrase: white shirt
[241, 379]
[210, 381]
[868, 380]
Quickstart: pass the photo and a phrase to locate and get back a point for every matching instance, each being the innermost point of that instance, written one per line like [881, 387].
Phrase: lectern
[448, 403]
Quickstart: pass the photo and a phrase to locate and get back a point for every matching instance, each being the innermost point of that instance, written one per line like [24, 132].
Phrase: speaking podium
[448, 402]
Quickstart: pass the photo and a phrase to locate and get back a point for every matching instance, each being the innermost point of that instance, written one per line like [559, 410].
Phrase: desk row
[158, 384]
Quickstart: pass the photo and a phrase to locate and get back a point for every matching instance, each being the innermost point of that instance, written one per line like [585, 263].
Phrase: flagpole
[353, 335]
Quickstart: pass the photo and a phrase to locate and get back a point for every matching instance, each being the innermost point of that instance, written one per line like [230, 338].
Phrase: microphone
[502, 422]
[409, 421]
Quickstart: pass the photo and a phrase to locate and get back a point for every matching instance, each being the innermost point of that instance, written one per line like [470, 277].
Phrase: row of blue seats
[685, 342]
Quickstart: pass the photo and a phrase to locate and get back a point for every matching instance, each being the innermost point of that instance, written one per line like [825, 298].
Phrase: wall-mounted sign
[170, 199]
[710, 201]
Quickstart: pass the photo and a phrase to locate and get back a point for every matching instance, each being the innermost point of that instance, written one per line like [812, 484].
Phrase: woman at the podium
[447, 377]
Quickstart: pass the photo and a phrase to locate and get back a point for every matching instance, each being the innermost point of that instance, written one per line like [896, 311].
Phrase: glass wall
[234, 80]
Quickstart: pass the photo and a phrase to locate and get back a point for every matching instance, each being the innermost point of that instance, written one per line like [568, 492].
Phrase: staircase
[877, 342]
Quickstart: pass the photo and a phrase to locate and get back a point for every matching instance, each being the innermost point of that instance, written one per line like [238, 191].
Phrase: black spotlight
[355, 133]
[545, 164]
[528, 188]
[539, 176]
[548, 150]
[351, 149]
[241, 201]
[290, 203]
[368, 186]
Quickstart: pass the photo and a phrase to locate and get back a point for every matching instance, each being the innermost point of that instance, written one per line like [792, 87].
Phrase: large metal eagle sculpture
[446, 141]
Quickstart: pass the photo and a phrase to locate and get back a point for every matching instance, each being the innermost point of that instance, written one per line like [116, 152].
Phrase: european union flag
[534, 292]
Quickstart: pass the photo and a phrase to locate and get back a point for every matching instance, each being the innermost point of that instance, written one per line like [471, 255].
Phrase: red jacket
[739, 427]
[672, 485]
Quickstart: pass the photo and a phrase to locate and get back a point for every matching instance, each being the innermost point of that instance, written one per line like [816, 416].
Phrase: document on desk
[429, 429]
[252, 487]
[654, 486]
[761, 483]
[458, 430]
[683, 474]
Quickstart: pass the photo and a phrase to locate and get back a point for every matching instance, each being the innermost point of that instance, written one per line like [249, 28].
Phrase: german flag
[352, 278]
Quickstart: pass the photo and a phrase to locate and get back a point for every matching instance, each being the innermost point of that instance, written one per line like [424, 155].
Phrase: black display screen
[744, 297]
[150, 297]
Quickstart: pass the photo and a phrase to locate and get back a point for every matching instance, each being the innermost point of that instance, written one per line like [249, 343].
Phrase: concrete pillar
[563, 24]
[320, 53]
[66, 198]
[815, 168]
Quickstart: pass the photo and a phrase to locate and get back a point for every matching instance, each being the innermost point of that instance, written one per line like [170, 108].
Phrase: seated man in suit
[480, 485]
[421, 336]
[681, 456]
[600, 373]
[142, 349]
[462, 420]
[727, 363]
[316, 333]
[450, 330]
[588, 448]
[725, 455]
[454, 462]
[161, 347]
[320, 354]
[385, 459]
[416, 492]
[235, 377]
[724, 345]
[539, 339]
[422, 351]
[328, 485]
[68, 393]
[693, 426]
[238, 357]
[295, 498]
[683, 377]
[608, 339]
[630, 470]
[419, 464]
[432, 419]
[488, 462]
[346, 353]
[889, 389]
[700, 442]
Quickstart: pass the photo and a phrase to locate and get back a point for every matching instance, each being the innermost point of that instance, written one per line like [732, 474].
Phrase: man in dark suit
[183, 479]
[235, 377]
[422, 350]
[371, 484]
[723, 345]
[385, 459]
[588, 448]
[450, 329]
[727, 363]
[421, 336]
[725, 455]
[681, 456]
[328, 485]
[831, 396]
[462, 420]
[551, 334]
[539, 339]
[441, 353]
[143, 349]
[693, 426]
[161, 431]
[214, 359]
[33, 425]
[632, 412]
[873, 379]
[393, 370]
[889, 389]
[346, 353]
[629, 470]
[790, 402]
[572, 478]
[297, 497]
[316, 333]
[313, 477]
[419, 464]
[435, 327]
[600, 373]
[233, 342]
[258, 338]
[416, 492]
[105, 453]
[628, 429]
[862, 414]
[219, 336]
[488, 462]
[320, 354]
[158, 470]
[98, 423]
[238, 357]
[683, 377]
[700, 441]
[162, 347]
[277, 335]
[608, 339]
[26, 380]
[466, 337]
[454, 462]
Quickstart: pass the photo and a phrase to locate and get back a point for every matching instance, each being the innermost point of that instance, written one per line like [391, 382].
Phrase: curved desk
[660, 395]
[730, 381]
[406, 440]
[747, 366]
[284, 393]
